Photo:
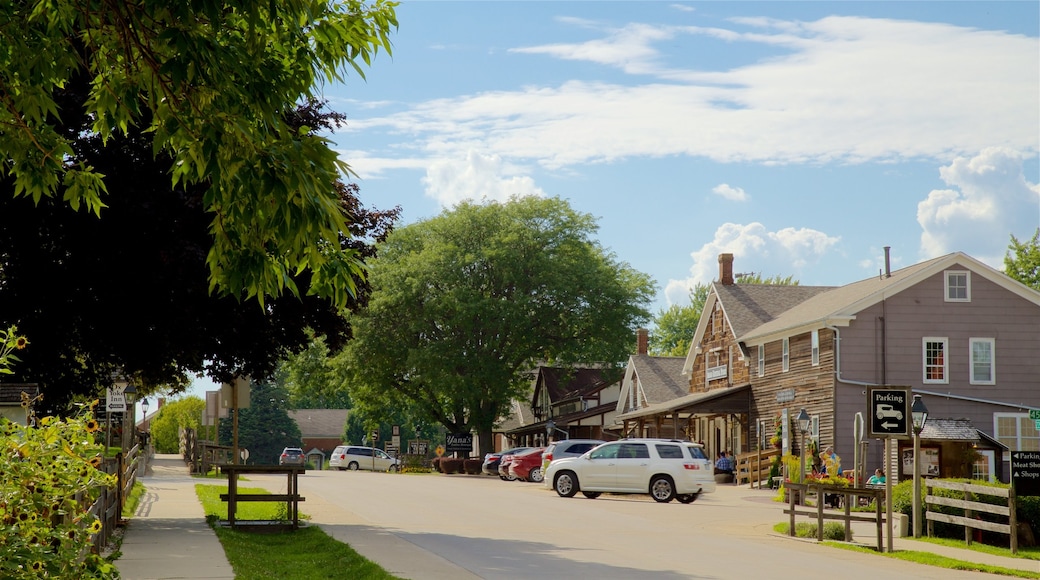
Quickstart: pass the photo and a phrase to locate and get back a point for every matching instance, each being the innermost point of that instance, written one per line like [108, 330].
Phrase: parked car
[567, 448]
[666, 469]
[527, 465]
[354, 457]
[503, 467]
[292, 456]
[491, 460]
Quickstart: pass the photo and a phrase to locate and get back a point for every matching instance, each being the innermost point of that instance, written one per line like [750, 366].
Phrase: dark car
[491, 460]
[292, 456]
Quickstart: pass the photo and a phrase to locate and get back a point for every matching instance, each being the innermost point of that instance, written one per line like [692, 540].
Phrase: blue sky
[802, 137]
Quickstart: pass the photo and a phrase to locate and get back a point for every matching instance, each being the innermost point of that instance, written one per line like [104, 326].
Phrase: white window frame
[992, 342]
[761, 360]
[945, 380]
[947, 287]
[787, 354]
[1025, 429]
[815, 348]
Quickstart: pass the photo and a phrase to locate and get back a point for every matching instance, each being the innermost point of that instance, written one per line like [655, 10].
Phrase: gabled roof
[564, 383]
[657, 378]
[956, 430]
[838, 306]
[320, 422]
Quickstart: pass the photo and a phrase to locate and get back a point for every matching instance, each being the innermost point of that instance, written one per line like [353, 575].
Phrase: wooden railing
[796, 491]
[969, 519]
[753, 467]
[109, 505]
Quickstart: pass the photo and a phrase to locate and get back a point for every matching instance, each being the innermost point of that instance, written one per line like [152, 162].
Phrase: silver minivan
[355, 457]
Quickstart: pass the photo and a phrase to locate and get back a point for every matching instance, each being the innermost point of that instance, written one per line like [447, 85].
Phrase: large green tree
[1022, 260]
[465, 303]
[165, 426]
[674, 327]
[212, 84]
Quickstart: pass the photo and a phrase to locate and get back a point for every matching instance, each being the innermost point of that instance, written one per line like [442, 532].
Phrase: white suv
[664, 468]
[354, 457]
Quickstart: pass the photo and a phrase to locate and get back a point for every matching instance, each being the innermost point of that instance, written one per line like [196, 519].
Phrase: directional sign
[1025, 472]
[889, 411]
[1037, 423]
[115, 400]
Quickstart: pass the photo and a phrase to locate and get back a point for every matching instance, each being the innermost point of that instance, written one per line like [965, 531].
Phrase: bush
[450, 465]
[45, 530]
[473, 465]
[435, 463]
[831, 531]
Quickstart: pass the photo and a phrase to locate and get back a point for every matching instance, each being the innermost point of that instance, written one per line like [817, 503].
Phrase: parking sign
[889, 411]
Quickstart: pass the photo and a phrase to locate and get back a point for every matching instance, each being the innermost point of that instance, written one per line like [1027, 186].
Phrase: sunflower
[21, 342]
[37, 566]
[94, 403]
[94, 527]
[92, 426]
[95, 461]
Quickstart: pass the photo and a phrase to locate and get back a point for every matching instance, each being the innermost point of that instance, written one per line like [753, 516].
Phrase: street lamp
[803, 425]
[144, 419]
[129, 393]
[920, 414]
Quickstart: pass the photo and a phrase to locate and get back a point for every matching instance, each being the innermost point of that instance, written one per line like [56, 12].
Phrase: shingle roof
[949, 430]
[564, 383]
[749, 306]
[660, 377]
[320, 422]
[12, 392]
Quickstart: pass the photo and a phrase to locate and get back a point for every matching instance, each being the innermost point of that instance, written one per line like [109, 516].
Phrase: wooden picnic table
[291, 498]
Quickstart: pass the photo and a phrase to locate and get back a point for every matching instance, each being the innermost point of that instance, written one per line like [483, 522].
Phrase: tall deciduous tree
[463, 304]
[165, 426]
[675, 326]
[1022, 260]
[265, 427]
[212, 83]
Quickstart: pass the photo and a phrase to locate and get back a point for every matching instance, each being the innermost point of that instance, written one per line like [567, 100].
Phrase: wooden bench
[291, 498]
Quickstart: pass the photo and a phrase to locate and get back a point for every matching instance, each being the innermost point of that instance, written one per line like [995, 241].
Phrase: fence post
[969, 514]
[1013, 520]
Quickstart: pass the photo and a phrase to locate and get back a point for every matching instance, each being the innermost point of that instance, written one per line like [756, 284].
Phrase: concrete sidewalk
[168, 536]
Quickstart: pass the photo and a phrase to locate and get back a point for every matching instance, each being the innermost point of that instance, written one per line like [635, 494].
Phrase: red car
[527, 466]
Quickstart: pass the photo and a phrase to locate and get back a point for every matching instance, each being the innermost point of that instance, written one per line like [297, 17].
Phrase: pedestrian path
[168, 537]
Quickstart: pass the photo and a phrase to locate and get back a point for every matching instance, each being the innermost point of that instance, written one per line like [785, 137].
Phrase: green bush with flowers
[49, 477]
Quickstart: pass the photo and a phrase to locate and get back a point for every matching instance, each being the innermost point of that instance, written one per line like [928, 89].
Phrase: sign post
[889, 410]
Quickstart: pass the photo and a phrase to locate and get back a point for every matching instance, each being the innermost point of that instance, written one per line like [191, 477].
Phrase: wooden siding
[813, 386]
[718, 335]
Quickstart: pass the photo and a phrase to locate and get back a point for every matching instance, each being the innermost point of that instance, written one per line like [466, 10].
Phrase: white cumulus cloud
[755, 249]
[729, 192]
[988, 200]
[475, 177]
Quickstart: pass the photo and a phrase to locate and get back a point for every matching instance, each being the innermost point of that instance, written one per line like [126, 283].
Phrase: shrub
[45, 530]
[473, 465]
[450, 465]
[435, 463]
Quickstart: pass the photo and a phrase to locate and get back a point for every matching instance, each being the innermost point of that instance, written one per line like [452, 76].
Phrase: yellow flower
[95, 461]
[94, 404]
[37, 566]
[94, 527]
[21, 342]
[92, 426]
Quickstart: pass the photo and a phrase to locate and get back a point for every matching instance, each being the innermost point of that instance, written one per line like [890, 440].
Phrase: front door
[599, 470]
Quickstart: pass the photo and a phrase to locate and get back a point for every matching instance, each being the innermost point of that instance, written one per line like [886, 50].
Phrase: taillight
[342, 456]
[548, 457]
[694, 466]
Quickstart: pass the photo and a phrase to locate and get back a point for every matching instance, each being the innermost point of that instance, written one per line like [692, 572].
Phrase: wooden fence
[969, 520]
[753, 467]
[796, 491]
[109, 505]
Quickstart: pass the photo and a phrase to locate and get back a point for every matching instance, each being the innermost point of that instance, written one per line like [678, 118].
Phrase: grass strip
[930, 559]
[305, 553]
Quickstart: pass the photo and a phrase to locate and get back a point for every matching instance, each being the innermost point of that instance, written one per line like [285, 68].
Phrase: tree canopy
[675, 326]
[165, 426]
[464, 304]
[265, 427]
[132, 289]
[211, 84]
[1022, 260]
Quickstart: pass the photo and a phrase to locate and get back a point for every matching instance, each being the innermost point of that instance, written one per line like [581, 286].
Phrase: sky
[802, 137]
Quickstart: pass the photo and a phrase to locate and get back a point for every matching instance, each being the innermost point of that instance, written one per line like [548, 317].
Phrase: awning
[730, 400]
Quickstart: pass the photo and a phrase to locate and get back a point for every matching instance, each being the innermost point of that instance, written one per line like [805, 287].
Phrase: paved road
[437, 526]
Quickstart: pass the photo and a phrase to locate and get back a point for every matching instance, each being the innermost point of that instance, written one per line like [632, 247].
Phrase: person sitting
[724, 464]
[878, 478]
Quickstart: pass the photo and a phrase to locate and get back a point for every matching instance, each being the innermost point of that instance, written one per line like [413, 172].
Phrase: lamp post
[129, 393]
[920, 414]
[144, 419]
[803, 425]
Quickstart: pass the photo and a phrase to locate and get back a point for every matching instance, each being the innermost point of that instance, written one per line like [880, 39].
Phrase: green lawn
[306, 553]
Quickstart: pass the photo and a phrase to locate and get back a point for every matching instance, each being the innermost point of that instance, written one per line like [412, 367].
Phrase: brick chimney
[642, 341]
[726, 269]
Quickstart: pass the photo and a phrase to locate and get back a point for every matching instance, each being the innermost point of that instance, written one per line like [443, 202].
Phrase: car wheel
[662, 489]
[687, 497]
[393, 469]
[510, 477]
[566, 484]
[353, 466]
[502, 477]
[590, 494]
[535, 475]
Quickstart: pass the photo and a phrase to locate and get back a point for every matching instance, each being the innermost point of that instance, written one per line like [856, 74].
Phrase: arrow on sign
[886, 425]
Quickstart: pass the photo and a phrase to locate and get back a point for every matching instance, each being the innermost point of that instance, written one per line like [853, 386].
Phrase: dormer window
[957, 285]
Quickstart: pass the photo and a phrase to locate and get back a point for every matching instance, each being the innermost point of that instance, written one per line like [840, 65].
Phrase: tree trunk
[485, 441]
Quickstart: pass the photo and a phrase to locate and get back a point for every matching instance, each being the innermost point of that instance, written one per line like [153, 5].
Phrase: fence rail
[970, 519]
[109, 505]
[753, 467]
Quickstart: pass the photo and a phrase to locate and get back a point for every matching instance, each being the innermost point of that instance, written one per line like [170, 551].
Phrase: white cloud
[475, 177]
[726, 191]
[989, 200]
[839, 89]
[785, 252]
